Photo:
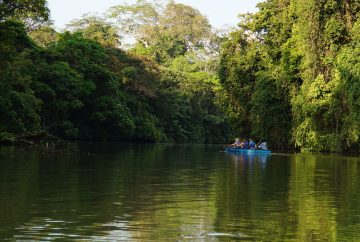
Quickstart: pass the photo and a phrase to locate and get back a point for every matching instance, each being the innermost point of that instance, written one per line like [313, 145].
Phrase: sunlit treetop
[27, 10]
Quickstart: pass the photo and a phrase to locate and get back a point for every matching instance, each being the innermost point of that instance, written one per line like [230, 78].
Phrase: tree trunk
[348, 16]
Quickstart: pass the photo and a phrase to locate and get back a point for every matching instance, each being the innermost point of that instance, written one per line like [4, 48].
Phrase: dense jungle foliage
[79, 84]
[292, 74]
[289, 74]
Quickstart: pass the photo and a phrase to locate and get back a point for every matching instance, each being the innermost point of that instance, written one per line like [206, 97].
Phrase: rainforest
[159, 72]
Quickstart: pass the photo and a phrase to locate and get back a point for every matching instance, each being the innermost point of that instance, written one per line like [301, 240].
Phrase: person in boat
[262, 146]
[252, 144]
[246, 144]
[236, 144]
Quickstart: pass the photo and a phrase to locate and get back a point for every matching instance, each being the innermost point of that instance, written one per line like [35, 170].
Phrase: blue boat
[247, 151]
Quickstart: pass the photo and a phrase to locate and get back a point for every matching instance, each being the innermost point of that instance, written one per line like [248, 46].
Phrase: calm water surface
[177, 193]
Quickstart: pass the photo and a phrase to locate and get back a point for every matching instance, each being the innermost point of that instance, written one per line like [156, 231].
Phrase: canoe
[247, 151]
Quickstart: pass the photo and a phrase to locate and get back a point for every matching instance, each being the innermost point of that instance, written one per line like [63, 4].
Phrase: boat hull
[247, 151]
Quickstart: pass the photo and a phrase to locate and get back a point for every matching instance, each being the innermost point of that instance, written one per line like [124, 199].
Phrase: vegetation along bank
[288, 74]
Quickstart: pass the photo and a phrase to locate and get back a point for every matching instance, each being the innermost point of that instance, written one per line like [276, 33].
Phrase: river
[132, 192]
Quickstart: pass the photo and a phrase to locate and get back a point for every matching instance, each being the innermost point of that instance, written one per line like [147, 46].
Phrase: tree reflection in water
[177, 192]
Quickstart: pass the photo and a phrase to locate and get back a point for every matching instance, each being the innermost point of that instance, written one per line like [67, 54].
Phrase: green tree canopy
[154, 24]
[97, 29]
[24, 9]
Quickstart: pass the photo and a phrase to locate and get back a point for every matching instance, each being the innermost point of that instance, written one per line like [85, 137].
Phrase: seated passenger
[246, 144]
[252, 144]
[236, 144]
[262, 146]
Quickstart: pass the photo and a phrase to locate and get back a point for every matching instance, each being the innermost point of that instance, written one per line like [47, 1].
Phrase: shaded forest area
[158, 72]
[78, 84]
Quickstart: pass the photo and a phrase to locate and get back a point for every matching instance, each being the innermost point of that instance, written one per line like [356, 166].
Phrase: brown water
[177, 193]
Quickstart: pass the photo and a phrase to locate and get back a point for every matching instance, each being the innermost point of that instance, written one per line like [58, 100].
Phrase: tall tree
[185, 23]
[24, 9]
[163, 31]
[138, 20]
[44, 35]
[19, 108]
[97, 29]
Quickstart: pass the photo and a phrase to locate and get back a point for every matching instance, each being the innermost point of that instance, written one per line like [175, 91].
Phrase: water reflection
[252, 159]
[154, 192]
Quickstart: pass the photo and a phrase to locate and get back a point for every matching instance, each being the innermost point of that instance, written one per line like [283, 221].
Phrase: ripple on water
[139, 193]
